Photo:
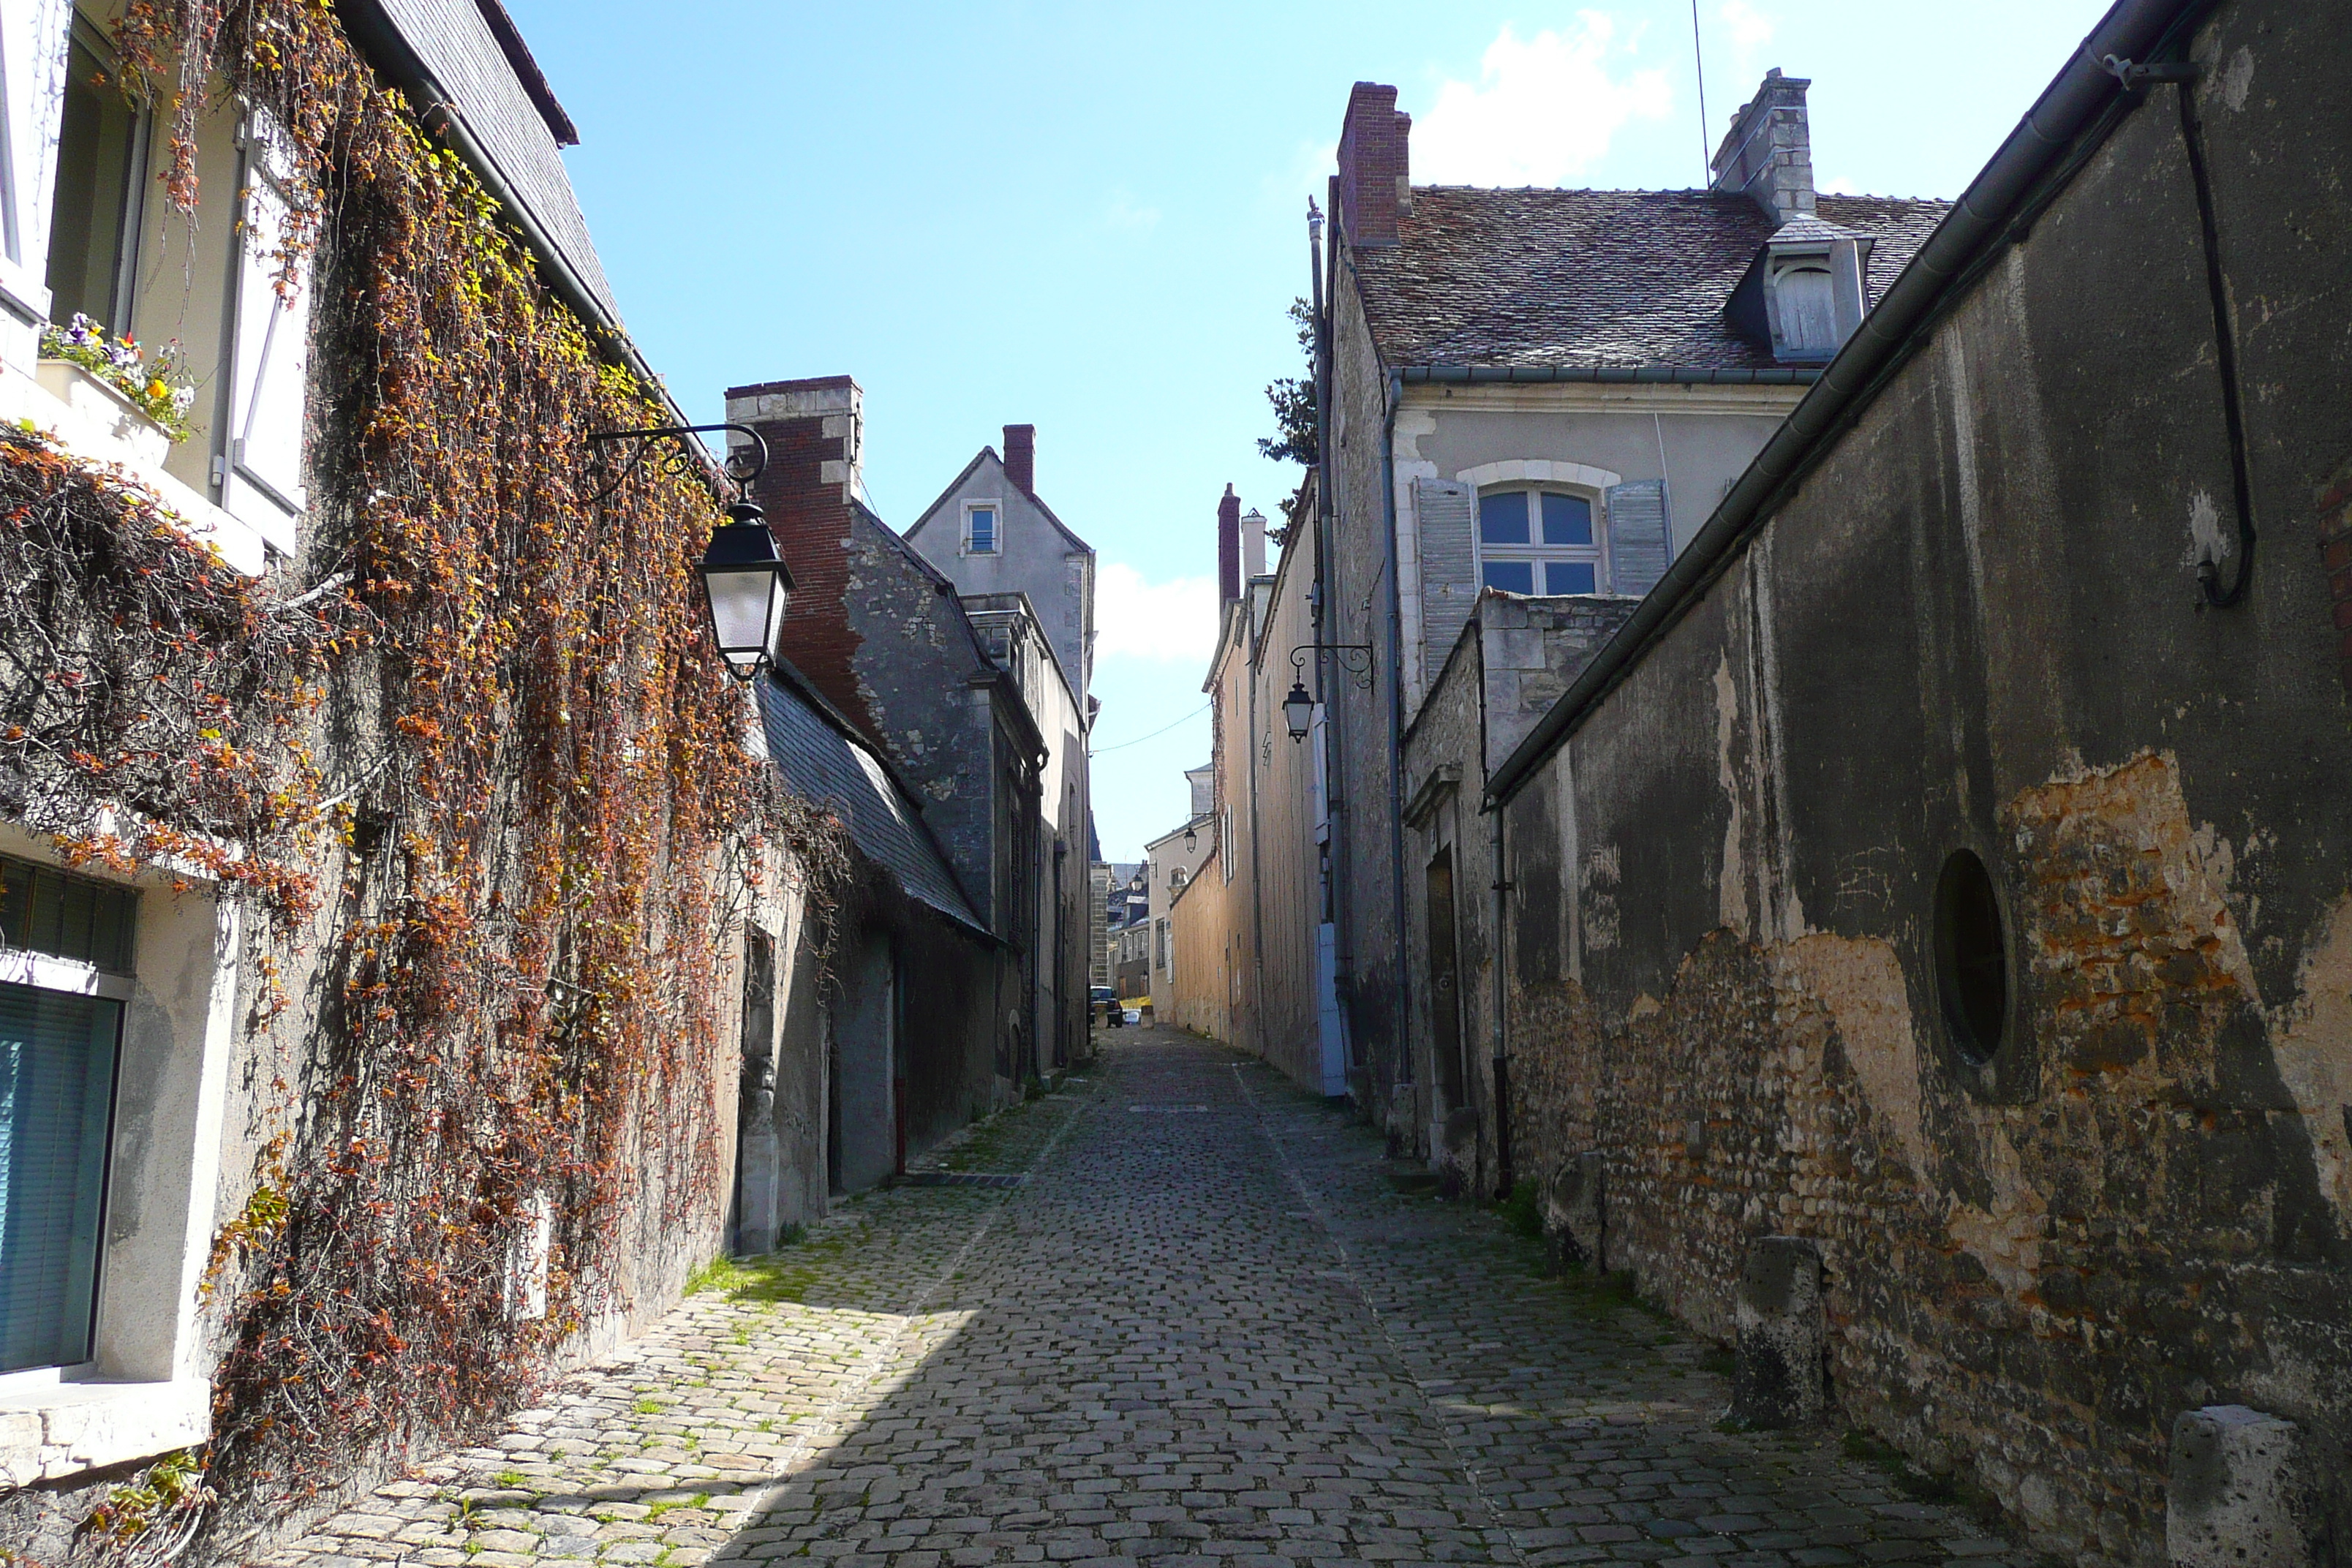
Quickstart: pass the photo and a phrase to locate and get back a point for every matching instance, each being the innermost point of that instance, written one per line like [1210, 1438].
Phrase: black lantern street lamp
[746, 585]
[1192, 838]
[1298, 710]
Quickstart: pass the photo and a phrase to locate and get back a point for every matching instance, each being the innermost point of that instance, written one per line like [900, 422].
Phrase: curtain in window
[57, 1096]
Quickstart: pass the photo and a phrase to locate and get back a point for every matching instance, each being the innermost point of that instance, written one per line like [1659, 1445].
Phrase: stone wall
[2125, 1191]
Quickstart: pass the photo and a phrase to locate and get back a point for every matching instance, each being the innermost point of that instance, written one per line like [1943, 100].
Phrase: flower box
[106, 409]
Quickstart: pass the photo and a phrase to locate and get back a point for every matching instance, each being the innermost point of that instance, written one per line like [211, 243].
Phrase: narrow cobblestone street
[1207, 1325]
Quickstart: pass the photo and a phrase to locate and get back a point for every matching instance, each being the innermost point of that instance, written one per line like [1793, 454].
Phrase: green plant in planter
[160, 388]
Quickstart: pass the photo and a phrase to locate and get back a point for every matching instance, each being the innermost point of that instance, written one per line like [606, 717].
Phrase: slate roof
[824, 765]
[467, 66]
[1538, 277]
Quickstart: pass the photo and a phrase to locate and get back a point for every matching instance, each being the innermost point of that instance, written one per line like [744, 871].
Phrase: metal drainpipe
[1336, 792]
[1396, 721]
[1496, 949]
[1257, 901]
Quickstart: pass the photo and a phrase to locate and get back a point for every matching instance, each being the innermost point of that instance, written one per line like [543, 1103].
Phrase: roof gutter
[2005, 196]
[1608, 374]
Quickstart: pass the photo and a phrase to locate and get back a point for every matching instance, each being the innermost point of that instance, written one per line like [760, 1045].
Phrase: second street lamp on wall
[1298, 710]
[747, 586]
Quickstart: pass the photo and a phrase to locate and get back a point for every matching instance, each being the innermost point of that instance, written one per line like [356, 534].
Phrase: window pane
[1502, 519]
[983, 528]
[1569, 577]
[1511, 576]
[95, 148]
[57, 1094]
[1567, 519]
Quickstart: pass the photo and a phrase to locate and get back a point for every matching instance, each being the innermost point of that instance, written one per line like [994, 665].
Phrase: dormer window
[1804, 314]
[1534, 539]
[979, 528]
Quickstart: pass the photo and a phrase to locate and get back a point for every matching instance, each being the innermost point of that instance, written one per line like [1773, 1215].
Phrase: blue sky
[1091, 217]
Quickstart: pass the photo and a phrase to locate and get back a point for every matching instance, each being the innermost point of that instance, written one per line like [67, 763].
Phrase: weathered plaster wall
[1975, 626]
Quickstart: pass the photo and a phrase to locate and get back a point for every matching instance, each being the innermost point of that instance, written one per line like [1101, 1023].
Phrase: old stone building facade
[1902, 932]
[1543, 392]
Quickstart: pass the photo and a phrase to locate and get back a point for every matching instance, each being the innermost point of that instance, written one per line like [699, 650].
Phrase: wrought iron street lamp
[1192, 838]
[746, 587]
[1299, 708]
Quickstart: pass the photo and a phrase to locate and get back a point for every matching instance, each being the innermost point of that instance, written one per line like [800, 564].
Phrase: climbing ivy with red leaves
[473, 752]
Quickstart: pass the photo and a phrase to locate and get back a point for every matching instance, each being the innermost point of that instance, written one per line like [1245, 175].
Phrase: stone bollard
[2236, 1494]
[1777, 1379]
[1572, 1215]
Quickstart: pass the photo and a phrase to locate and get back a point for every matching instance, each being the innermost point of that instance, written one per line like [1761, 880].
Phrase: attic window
[980, 528]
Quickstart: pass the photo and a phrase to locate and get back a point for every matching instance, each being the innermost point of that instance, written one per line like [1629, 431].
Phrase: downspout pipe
[1322, 257]
[2000, 195]
[1401, 1030]
[1498, 947]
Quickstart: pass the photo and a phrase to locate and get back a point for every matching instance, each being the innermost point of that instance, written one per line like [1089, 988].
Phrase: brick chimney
[812, 428]
[1229, 548]
[1021, 457]
[1768, 154]
[1375, 166]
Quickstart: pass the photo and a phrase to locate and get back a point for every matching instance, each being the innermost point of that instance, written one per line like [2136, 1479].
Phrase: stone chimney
[1229, 548]
[1253, 544]
[1375, 166]
[1767, 156]
[1021, 457]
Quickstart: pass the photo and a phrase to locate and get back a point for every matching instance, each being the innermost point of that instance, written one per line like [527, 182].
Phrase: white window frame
[1596, 553]
[996, 546]
[148, 1390]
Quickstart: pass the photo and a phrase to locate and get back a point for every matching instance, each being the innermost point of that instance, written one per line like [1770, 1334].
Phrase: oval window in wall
[1972, 957]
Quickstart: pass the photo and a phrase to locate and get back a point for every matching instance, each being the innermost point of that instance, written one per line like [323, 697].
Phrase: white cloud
[1542, 110]
[1165, 623]
[1750, 30]
[1126, 215]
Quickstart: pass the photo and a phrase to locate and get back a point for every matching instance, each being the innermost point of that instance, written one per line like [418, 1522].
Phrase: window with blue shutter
[57, 1103]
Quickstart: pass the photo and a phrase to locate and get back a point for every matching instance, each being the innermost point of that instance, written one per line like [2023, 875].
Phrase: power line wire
[1195, 713]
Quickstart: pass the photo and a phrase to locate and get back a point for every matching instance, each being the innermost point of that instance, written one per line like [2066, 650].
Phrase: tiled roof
[825, 766]
[1540, 277]
[467, 67]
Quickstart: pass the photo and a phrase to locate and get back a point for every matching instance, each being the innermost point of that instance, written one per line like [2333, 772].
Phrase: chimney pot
[1021, 457]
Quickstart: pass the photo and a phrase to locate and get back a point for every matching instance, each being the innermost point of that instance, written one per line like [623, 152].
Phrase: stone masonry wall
[1975, 626]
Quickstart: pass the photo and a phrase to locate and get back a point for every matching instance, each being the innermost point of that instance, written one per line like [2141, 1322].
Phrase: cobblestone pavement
[1208, 1326]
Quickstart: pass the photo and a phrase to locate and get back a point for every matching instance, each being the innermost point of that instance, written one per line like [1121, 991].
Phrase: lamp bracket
[742, 468]
[1355, 658]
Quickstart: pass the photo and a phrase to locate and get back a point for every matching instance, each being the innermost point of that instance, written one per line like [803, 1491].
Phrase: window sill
[93, 422]
[68, 1427]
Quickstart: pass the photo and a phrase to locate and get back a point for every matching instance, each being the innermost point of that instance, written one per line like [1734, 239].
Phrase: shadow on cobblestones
[1206, 1327]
